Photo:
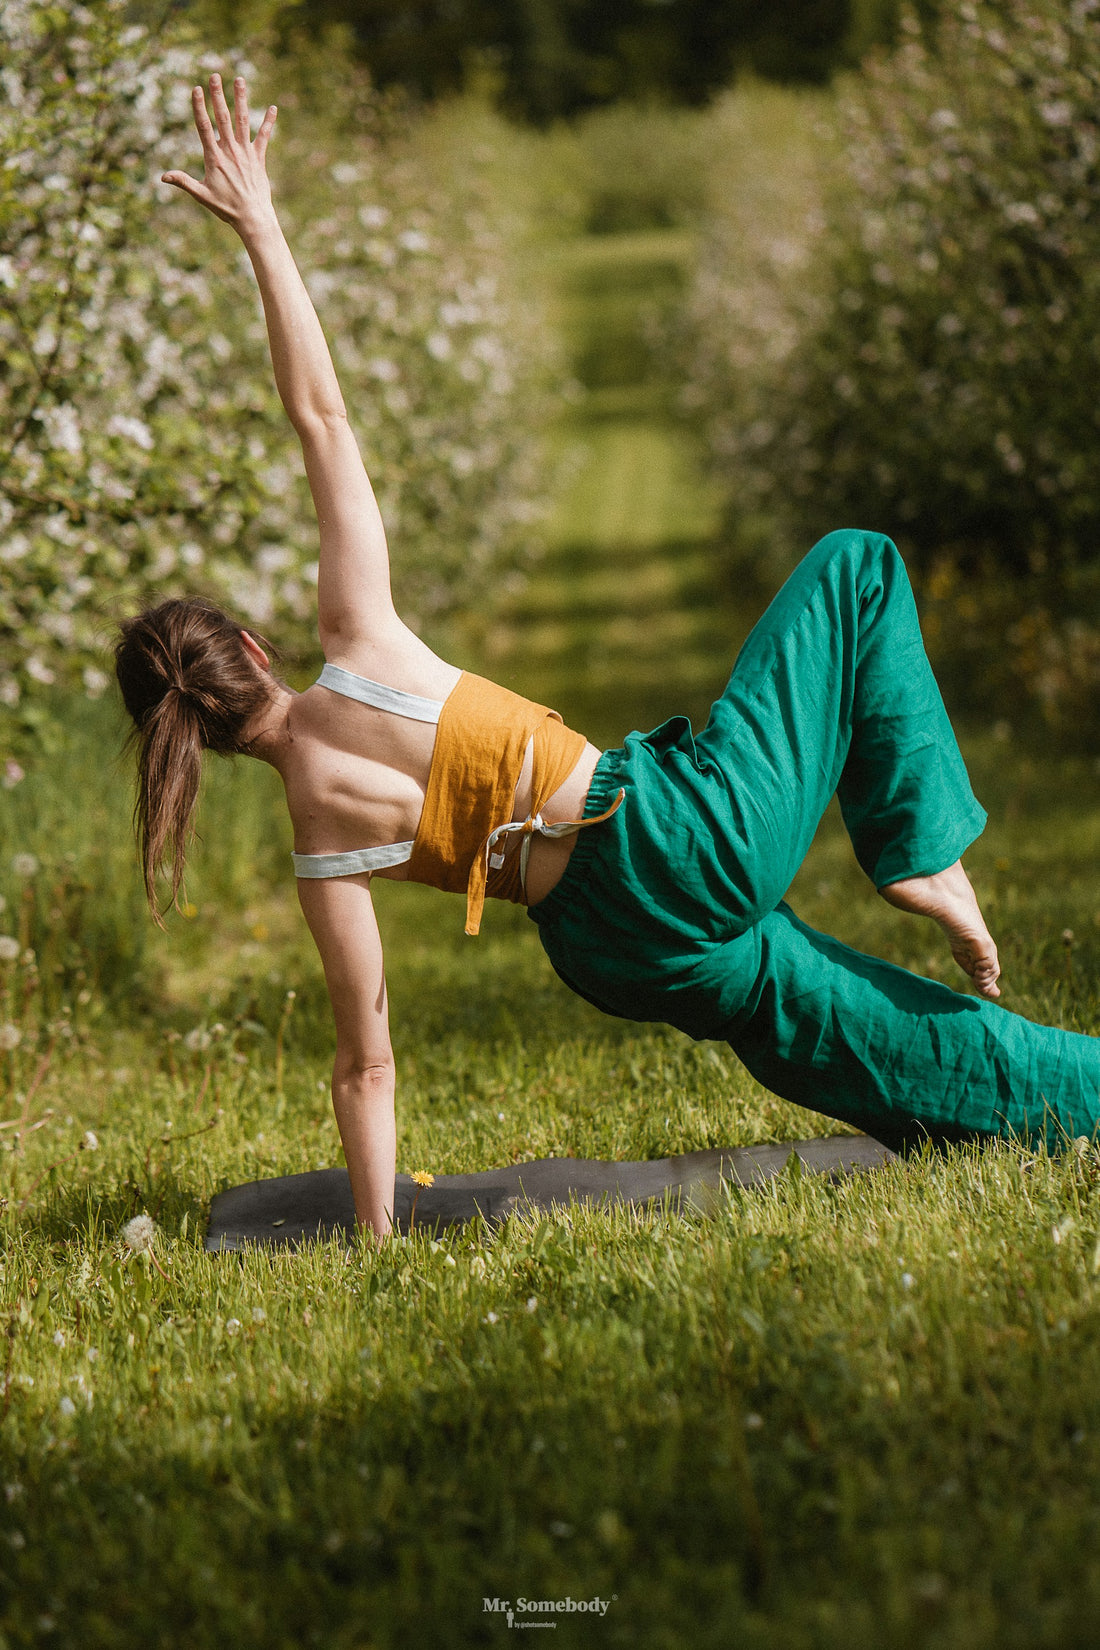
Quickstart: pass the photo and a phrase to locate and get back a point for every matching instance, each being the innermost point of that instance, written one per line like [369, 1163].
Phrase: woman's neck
[269, 735]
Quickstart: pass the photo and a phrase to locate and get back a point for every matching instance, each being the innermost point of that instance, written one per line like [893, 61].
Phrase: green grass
[864, 1414]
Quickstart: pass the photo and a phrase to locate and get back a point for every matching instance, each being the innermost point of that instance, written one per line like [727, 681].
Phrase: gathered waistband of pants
[605, 784]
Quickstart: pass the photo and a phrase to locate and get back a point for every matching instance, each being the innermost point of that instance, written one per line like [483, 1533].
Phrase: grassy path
[623, 624]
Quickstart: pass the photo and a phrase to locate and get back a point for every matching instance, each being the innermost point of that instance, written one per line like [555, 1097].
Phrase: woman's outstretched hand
[235, 186]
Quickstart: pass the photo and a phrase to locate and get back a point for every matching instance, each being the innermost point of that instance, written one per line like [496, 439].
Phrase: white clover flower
[232, 1326]
[59, 1337]
[24, 865]
[532, 1303]
[491, 1317]
[259, 1315]
[197, 1040]
[13, 775]
[67, 1407]
[138, 1234]
[9, 948]
[10, 1036]
[89, 1141]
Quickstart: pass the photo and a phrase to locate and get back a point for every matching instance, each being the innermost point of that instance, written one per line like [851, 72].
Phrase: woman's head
[191, 683]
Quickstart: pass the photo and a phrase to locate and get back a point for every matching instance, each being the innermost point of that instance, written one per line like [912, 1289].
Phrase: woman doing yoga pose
[655, 872]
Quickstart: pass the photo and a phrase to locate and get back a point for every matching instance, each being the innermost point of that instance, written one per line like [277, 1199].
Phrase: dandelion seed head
[9, 948]
[138, 1234]
[24, 865]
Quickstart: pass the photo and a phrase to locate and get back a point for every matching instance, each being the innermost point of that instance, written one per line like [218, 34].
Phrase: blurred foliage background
[874, 303]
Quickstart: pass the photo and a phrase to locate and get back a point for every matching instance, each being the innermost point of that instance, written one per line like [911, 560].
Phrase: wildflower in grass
[197, 1040]
[13, 775]
[232, 1326]
[532, 1303]
[10, 1036]
[9, 948]
[138, 1235]
[24, 865]
[67, 1407]
[89, 1141]
[491, 1318]
[59, 1337]
[907, 1280]
[259, 1315]
[420, 1179]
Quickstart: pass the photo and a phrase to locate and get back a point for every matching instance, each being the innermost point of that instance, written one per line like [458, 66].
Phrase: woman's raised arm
[353, 597]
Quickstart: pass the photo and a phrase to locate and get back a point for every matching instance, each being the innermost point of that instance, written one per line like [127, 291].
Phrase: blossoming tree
[143, 449]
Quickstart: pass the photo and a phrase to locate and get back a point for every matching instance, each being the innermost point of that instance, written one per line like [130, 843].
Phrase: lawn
[823, 1415]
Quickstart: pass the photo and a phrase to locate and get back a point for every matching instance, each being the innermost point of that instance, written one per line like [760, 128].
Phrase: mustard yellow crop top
[482, 734]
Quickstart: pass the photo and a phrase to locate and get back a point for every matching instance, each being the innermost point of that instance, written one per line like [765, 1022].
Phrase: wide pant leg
[902, 1057]
[833, 692]
[673, 911]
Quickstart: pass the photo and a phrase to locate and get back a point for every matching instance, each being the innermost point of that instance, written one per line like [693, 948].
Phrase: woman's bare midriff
[548, 858]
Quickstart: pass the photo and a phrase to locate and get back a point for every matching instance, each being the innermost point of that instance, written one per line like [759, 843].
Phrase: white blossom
[24, 865]
[10, 1036]
[9, 948]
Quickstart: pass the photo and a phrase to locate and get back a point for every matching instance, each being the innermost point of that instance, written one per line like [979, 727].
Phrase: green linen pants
[673, 908]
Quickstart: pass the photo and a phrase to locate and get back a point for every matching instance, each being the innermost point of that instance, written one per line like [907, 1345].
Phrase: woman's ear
[252, 646]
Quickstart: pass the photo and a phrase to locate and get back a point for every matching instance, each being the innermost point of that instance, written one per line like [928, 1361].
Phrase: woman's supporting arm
[353, 598]
[340, 913]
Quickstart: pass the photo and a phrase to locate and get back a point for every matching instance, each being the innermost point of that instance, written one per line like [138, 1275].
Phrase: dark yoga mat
[296, 1208]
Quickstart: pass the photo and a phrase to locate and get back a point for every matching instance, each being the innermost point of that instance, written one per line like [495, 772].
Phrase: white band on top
[395, 700]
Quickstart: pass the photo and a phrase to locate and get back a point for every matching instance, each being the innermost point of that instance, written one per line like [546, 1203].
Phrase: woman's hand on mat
[235, 186]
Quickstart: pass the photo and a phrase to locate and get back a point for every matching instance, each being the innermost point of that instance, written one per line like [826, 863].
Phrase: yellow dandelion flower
[422, 1177]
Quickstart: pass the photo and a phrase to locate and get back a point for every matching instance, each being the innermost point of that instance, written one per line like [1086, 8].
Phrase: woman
[655, 872]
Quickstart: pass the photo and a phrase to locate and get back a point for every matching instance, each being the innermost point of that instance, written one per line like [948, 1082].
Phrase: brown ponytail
[190, 686]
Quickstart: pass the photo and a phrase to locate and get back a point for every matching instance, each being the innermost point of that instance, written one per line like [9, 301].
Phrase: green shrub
[927, 364]
[633, 167]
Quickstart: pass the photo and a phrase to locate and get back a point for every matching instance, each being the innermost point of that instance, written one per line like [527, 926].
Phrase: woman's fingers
[267, 126]
[221, 108]
[189, 185]
[202, 120]
[240, 109]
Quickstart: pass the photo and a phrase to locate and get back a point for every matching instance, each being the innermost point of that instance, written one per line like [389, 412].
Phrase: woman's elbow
[368, 1073]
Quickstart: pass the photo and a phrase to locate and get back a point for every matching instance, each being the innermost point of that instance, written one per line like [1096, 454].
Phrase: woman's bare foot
[948, 899]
